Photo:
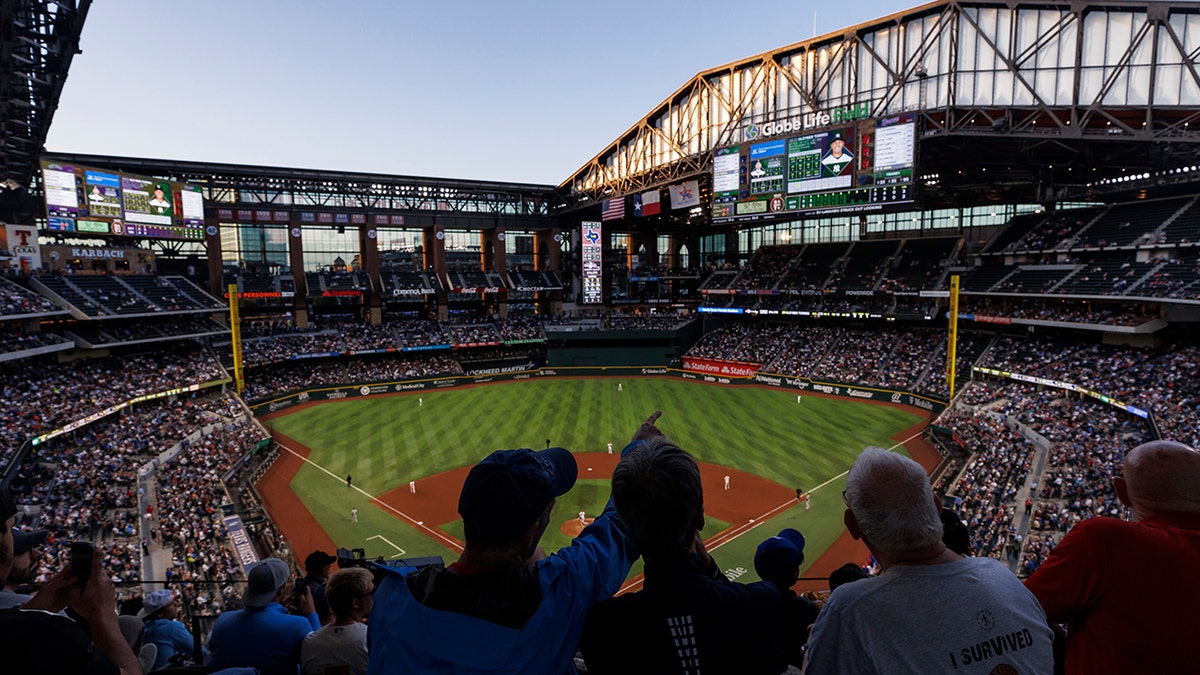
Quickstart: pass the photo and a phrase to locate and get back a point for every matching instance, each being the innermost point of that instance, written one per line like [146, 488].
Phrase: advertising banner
[240, 539]
[717, 367]
[21, 241]
[505, 374]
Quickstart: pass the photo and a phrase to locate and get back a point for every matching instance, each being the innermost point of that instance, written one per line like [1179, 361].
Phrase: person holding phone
[36, 639]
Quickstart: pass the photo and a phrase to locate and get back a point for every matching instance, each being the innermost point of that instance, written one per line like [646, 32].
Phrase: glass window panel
[1002, 89]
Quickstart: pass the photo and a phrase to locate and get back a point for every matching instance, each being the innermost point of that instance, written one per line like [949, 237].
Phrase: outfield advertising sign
[761, 379]
[718, 367]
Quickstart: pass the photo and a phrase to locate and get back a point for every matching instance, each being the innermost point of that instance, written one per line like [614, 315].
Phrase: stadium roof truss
[38, 39]
[1048, 95]
[248, 187]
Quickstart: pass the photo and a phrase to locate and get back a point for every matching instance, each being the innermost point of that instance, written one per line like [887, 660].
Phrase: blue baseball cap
[506, 492]
[779, 557]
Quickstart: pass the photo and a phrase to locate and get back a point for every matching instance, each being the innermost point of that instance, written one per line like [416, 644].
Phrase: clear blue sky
[509, 91]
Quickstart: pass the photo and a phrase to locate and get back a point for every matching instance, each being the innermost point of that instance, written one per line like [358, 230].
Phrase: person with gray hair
[1127, 591]
[930, 609]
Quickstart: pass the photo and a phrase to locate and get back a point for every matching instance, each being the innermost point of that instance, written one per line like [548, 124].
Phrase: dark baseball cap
[27, 540]
[317, 561]
[779, 557]
[506, 492]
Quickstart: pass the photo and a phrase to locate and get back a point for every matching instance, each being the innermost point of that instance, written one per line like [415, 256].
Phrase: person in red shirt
[1106, 579]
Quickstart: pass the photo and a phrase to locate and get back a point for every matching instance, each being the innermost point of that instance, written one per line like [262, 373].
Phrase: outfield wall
[799, 384]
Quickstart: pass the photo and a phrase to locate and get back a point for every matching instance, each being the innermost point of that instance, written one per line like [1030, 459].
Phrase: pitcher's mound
[573, 527]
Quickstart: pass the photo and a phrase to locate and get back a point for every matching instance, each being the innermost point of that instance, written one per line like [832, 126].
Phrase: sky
[525, 91]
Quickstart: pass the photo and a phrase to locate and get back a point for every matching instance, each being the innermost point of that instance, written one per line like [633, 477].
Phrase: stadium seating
[1128, 224]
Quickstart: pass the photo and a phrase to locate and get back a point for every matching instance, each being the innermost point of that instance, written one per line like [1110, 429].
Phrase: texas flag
[650, 204]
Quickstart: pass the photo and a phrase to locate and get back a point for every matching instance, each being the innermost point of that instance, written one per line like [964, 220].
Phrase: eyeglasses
[845, 499]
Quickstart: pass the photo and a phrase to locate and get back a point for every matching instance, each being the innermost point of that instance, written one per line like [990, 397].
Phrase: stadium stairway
[1036, 467]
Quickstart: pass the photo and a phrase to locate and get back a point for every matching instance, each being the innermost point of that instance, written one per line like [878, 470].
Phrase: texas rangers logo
[592, 235]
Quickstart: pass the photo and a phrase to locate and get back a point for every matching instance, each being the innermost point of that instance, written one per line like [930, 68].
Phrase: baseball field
[407, 455]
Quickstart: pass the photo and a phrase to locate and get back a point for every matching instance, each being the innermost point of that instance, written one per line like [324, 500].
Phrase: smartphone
[300, 587]
[81, 561]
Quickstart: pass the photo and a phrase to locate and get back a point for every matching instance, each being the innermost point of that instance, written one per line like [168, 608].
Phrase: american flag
[612, 209]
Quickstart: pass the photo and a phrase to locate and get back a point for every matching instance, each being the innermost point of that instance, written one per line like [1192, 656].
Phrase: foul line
[399, 551]
[436, 534]
[728, 535]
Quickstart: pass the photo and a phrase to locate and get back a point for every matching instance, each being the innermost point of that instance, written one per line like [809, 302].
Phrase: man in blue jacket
[503, 607]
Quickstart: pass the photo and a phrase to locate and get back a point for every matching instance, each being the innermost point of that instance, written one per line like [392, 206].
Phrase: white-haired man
[930, 609]
[1128, 591]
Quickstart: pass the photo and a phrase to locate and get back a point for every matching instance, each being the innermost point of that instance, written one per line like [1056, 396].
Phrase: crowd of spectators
[1124, 314]
[188, 495]
[262, 383]
[762, 271]
[16, 300]
[472, 333]
[125, 331]
[18, 343]
[748, 343]
[1086, 440]
[1160, 380]
[272, 343]
[83, 486]
[888, 358]
[985, 489]
[40, 395]
[1177, 278]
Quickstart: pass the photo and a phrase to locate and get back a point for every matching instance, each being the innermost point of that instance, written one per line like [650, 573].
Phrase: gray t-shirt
[335, 646]
[967, 616]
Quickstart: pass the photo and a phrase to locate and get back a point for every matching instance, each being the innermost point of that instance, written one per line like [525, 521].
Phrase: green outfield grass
[388, 440]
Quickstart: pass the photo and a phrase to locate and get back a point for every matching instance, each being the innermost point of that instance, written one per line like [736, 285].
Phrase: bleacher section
[1056, 230]
[16, 301]
[862, 269]
[109, 333]
[984, 277]
[475, 281]
[761, 272]
[534, 280]
[920, 264]
[1017, 228]
[71, 295]
[1178, 278]
[810, 270]
[1125, 224]
[1112, 277]
[1185, 228]
[1033, 279]
[100, 296]
[397, 284]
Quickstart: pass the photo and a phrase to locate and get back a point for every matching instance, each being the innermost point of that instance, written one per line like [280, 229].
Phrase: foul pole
[235, 326]
[952, 338]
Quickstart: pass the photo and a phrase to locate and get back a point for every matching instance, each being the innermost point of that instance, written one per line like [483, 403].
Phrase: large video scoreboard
[86, 200]
[865, 165]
